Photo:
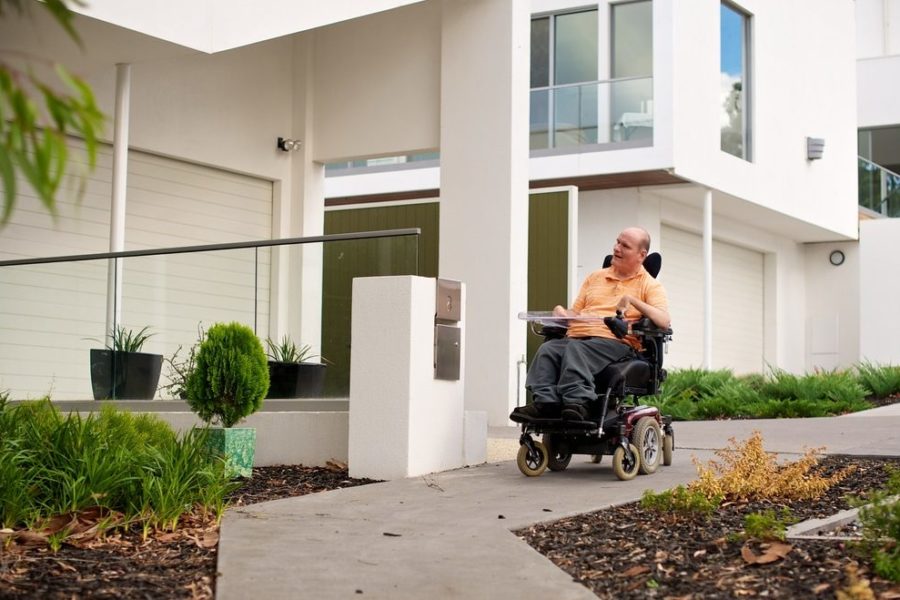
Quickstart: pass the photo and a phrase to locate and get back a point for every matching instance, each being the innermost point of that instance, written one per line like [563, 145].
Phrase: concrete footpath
[449, 535]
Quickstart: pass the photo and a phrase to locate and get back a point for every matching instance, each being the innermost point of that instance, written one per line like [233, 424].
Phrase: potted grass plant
[228, 383]
[120, 371]
[292, 372]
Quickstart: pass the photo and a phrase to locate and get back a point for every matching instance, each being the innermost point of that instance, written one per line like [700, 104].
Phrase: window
[735, 90]
[577, 99]
[563, 79]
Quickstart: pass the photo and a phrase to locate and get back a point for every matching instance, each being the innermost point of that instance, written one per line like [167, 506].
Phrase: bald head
[640, 236]
[632, 246]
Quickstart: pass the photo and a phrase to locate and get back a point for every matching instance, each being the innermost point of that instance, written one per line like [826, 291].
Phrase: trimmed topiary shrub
[230, 377]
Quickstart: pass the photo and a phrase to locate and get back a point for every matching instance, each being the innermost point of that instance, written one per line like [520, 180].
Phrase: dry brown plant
[747, 472]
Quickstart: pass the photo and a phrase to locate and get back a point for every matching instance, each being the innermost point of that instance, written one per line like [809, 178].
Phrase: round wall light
[836, 258]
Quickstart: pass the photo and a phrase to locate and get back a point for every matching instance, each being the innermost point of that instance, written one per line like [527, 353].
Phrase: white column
[484, 186]
[119, 193]
[307, 208]
[707, 280]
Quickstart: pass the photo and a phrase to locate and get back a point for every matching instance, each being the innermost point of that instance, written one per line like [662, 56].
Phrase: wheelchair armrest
[646, 328]
[552, 332]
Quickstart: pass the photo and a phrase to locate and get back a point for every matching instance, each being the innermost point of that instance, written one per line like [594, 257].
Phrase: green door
[343, 261]
[548, 256]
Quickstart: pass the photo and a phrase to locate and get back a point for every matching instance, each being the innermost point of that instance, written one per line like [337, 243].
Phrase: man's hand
[659, 317]
[561, 311]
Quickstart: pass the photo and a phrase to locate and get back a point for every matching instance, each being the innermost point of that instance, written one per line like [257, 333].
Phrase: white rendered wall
[403, 421]
[879, 261]
[377, 84]
[484, 187]
[802, 72]
[877, 28]
[832, 306]
[216, 25]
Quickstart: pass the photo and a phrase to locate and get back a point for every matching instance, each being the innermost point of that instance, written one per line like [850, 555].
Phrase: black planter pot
[124, 375]
[295, 380]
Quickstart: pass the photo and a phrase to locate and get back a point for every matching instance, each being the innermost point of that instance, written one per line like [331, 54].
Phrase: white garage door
[49, 312]
[738, 300]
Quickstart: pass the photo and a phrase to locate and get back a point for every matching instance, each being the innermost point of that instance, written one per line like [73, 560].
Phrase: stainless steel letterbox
[447, 333]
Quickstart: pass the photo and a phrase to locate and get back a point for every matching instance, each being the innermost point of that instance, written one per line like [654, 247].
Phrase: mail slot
[448, 305]
[447, 333]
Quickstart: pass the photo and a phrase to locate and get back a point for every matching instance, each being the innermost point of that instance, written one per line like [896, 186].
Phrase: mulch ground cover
[624, 552]
[630, 552]
[180, 564]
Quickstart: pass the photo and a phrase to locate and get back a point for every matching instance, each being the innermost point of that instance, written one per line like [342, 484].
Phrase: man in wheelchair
[621, 314]
[561, 378]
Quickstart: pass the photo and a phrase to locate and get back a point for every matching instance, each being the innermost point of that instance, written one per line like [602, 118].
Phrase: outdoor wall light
[814, 148]
[288, 145]
[836, 258]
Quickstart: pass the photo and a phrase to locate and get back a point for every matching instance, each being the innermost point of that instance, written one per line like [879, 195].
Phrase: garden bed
[624, 552]
[630, 552]
[166, 565]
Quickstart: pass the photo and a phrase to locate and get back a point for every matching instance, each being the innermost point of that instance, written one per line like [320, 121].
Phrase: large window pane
[540, 52]
[575, 115]
[539, 132]
[632, 39]
[575, 47]
[733, 81]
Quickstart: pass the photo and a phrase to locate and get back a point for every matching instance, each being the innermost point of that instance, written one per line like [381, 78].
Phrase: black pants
[564, 370]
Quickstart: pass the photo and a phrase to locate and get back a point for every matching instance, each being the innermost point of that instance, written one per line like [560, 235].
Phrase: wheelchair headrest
[653, 263]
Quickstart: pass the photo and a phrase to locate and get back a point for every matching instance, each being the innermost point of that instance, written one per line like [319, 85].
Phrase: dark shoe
[534, 411]
[574, 412]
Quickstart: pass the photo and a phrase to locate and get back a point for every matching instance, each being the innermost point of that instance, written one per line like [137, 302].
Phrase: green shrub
[880, 381]
[880, 517]
[768, 525]
[126, 340]
[696, 394]
[120, 462]
[680, 500]
[231, 375]
[288, 352]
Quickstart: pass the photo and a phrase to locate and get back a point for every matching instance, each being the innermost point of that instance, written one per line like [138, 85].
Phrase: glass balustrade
[56, 314]
[607, 112]
[879, 189]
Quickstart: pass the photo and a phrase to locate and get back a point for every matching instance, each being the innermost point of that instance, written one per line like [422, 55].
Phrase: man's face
[627, 253]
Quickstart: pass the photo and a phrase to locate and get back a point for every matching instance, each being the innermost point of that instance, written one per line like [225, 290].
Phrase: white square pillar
[484, 186]
[403, 421]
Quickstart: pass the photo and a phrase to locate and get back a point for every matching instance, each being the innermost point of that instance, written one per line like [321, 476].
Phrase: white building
[628, 126]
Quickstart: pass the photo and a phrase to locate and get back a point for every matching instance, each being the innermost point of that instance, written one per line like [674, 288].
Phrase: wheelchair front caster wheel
[624, 467]
[648, 439]
[534, 463]
[556, 460]
[596, 458]
[668, 449]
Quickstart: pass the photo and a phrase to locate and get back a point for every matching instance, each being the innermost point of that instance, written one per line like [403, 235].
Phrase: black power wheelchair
[637, 436]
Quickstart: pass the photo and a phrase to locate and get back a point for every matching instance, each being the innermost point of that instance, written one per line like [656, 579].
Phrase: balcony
[879, 189]
[618, 111]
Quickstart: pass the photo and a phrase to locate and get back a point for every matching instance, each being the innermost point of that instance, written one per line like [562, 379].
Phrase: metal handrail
[877, 166]
[597, 82]
[334, 237]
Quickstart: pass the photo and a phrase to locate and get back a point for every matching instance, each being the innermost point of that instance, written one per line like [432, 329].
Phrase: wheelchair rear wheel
[623, 467]
[556, 460]
[534, 463]
[648, 439]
